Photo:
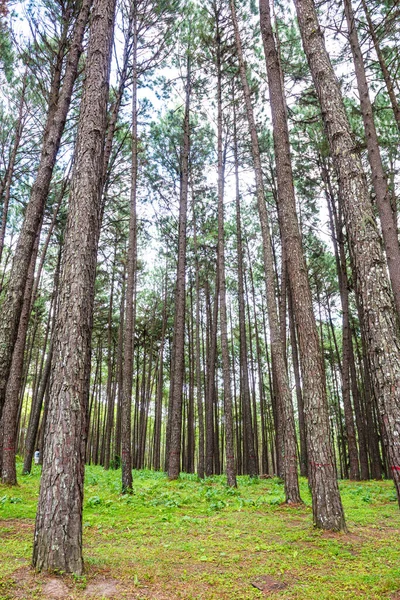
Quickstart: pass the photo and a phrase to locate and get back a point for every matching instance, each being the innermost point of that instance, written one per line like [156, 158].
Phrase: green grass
[201, 540]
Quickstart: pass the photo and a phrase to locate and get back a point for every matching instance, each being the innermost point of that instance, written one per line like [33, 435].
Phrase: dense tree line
[199, 247]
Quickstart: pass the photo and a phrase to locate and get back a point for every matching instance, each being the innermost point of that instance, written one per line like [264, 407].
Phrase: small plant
[80, 581]
[94, 501]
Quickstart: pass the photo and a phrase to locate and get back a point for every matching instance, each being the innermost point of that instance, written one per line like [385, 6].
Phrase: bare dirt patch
[102, 589]
[268, 584]
[55, 588]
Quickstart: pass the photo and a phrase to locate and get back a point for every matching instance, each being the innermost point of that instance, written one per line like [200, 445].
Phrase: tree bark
[380, 319]
[229, 444]
[289, 437]
[130, 301]
[58, 530]
[174, 458]
[248, 437]
[56, 118]
[383, 194]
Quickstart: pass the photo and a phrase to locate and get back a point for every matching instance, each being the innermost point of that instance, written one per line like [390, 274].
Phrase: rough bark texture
[174, 458]
[379, 181]
[289, 437]
[58, 530]
[327, 506]
[12, 306]
[372, 284]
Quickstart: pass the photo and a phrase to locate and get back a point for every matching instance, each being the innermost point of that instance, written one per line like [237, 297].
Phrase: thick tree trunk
[56, 118]
[327, 506]
[58, 530]
[383, 194]
[372, 284]
[289, 437]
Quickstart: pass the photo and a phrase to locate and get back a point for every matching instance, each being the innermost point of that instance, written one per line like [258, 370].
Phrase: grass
[196, 539]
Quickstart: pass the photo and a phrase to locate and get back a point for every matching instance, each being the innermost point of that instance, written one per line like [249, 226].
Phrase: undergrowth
[200, 539]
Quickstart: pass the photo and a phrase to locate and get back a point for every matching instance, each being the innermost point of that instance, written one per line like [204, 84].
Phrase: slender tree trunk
[58, 530]
[382, 64]
[248, 437]
[380, 319]
[327, 506]
[359, 414]
[9, 472]
[230, 457]
[174, 459]
[299, 391]
[54, 128]
[119, 374]
[199, 397]
[130, 302]
[160, 384]
[289, 437]
[211, 391]
[383, 194]
[110, 371]
[10, 168]
[340, 256]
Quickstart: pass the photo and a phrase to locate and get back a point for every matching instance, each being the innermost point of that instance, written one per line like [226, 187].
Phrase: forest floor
[196, 539]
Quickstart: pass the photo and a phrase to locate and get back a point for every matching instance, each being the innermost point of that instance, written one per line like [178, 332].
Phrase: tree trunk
[290, 453]
[230, 457]
[58, 530]
[130, 301]
[199, 397]
[379, 181]
[10, 168]
[299, 391]
[56, 118]
[160, 385]
[9, 472]
[248, 437]
[340, 257]
[380, 319]
[382, 64]
[174, 459]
